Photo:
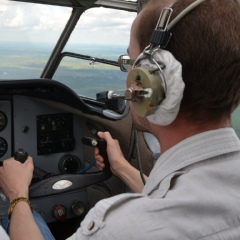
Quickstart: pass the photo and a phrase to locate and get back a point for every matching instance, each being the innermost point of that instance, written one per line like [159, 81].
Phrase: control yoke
[61, 183]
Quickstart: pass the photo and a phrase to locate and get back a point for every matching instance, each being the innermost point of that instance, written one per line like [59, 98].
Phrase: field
[21, 62]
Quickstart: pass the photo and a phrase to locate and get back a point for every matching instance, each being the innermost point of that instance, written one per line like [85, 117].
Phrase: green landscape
[24, 61]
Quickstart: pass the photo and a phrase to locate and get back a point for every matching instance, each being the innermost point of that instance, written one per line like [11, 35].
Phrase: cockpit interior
[53, 103]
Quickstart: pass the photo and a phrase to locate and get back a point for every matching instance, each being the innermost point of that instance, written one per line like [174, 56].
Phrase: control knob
[59, 212]
[78, 208]
[69, 164]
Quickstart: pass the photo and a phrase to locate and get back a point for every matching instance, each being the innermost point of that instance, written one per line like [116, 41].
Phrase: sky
[44, 23]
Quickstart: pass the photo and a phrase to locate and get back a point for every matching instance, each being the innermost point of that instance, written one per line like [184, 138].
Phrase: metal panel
[67, 3]
[117, 4]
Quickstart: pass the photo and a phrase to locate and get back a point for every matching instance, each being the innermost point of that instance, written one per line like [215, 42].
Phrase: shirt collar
[192, 150]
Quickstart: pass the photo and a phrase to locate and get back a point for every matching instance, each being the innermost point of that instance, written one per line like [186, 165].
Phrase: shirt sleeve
[99, 223]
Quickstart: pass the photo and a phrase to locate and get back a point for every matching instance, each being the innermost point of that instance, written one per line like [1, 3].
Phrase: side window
[87, 78]
[101, 33]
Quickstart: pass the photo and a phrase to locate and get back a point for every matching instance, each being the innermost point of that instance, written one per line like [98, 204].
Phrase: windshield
[103, 34]
[29, 36]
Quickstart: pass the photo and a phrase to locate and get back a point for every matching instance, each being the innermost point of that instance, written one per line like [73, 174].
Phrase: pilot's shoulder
[99, 218]
[105, 206]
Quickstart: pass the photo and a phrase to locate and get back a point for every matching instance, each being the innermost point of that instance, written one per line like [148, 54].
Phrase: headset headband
[184, 13]
[161, 34]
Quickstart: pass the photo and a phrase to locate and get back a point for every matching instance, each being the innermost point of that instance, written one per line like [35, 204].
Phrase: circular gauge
[3, 121]
[3, 147]
[69, 164]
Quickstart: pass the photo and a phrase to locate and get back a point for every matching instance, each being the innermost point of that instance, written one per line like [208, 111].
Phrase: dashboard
[54, 139]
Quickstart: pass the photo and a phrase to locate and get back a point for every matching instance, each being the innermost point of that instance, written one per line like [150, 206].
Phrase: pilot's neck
[180, 129]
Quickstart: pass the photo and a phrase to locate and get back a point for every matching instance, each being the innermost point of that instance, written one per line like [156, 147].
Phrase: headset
[148, 86]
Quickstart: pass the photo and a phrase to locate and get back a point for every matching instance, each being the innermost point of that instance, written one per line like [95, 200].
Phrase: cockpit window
[87, 77]
[28, 33]
[101, 33]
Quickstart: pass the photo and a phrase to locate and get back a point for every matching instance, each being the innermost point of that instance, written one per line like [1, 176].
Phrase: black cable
[129, 155]
[132, 141]
[138, 157]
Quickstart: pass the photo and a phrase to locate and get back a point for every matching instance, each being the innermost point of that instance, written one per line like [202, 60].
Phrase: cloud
[52, 18]
[40, 22]
[33, 16]
[105, 24]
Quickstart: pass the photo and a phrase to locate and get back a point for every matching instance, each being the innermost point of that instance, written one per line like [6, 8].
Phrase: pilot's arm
[15, 178]
[120, 167]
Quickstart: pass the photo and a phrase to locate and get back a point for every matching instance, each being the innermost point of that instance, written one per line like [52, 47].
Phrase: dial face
[3, 147]
[69, 164]
[3, 121]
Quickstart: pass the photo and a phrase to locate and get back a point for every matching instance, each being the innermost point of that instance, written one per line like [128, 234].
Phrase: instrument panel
[46, 133]
[53, 137]
[47, 120]
[55, 133]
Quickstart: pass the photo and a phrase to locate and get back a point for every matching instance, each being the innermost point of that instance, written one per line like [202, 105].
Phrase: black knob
[59, 212]
[69, 164]
[20, 155]
[78, 208]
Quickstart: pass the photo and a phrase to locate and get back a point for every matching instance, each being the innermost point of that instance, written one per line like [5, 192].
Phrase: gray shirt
[193, 192]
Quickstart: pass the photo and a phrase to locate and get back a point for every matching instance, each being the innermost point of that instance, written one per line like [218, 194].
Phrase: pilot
[193, 191]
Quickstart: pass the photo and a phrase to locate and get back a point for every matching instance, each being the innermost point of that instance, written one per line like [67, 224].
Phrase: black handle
[20, 155]
[102, 145]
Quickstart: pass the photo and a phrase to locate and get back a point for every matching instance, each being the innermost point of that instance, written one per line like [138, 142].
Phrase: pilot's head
[207, 44]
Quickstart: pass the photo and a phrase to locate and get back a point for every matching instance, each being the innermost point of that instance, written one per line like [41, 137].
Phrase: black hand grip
[102, 145]
[20, 155]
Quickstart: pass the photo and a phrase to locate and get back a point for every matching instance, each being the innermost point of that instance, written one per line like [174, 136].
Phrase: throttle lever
[21, 156]
[102, 145]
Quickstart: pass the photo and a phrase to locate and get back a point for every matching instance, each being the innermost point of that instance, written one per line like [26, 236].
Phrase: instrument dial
[3, 121]
[3, 147]
[69, 164]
